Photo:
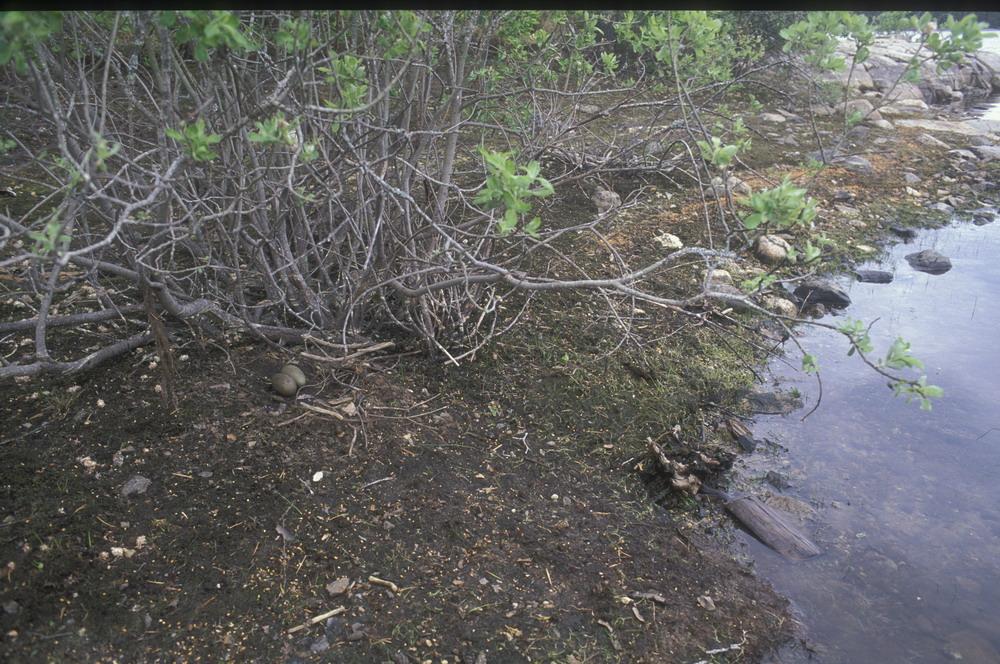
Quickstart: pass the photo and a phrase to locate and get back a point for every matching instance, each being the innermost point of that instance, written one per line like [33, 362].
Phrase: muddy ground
[496, 512]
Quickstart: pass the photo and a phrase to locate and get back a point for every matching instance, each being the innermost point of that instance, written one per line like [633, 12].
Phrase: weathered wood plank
[770, 527]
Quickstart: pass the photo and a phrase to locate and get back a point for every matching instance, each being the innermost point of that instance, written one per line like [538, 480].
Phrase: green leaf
[810, 363]
[753, 221]
[509, 222]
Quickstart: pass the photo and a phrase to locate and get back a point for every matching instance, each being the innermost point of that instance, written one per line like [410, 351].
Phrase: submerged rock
[777, 480]
[774, 402]
[822, 291]
[983, 216]
[903, 232]
[873, 276]
[929, 261]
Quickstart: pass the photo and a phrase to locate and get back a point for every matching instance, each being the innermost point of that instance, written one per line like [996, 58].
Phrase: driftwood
[768, 525]
[762, 521]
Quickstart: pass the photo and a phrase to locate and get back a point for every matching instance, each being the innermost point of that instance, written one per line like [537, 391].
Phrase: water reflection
[907, 502]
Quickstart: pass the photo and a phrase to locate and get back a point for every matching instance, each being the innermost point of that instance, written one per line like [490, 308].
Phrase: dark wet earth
[904, 503]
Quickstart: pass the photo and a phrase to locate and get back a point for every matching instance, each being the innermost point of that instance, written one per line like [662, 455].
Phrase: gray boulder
[983, 216]
[873, 276]
[986, 152]
[856, 164]
[929, 261]
[821, 291]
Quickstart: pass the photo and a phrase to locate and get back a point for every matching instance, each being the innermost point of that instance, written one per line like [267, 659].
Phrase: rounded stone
[772, 249]
[780, 306]
[297, 374]
[284, 384]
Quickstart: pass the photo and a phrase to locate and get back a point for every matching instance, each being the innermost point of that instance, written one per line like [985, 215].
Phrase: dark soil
[499, 541]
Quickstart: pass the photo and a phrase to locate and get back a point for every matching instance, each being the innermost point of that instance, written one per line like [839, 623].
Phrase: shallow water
[907, 502]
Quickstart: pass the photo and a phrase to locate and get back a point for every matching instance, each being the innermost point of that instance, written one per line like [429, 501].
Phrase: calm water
[907, 503]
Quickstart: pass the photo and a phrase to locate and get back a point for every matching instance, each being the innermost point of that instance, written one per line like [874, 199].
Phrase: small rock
[962, 154]
[986, 152]
[856, 164]
[873, 276]
[11, 607]
[862, 106]
[931, 141]
[774, 402]
[776, 118]
[669, 241]
[736, 186]
[883, 124]
[904, 107]
[847, 210]
[903, 232]
[911, 178]
[606, 200]
[929, 261]
[942, 207]
[816, 310]
[706, 603]
[865, 249]
[135, 486]
[780, 305]
[338, 586]
[777, 480]
[717, 276]
[771, 249]
[983, 216]
[358, 632]
[843, 196]
[821, 291]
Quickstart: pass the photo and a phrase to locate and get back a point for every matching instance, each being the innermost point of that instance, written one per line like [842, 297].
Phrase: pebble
[136, 485]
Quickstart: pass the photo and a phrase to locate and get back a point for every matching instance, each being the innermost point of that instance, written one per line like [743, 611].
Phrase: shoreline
[503, 508]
